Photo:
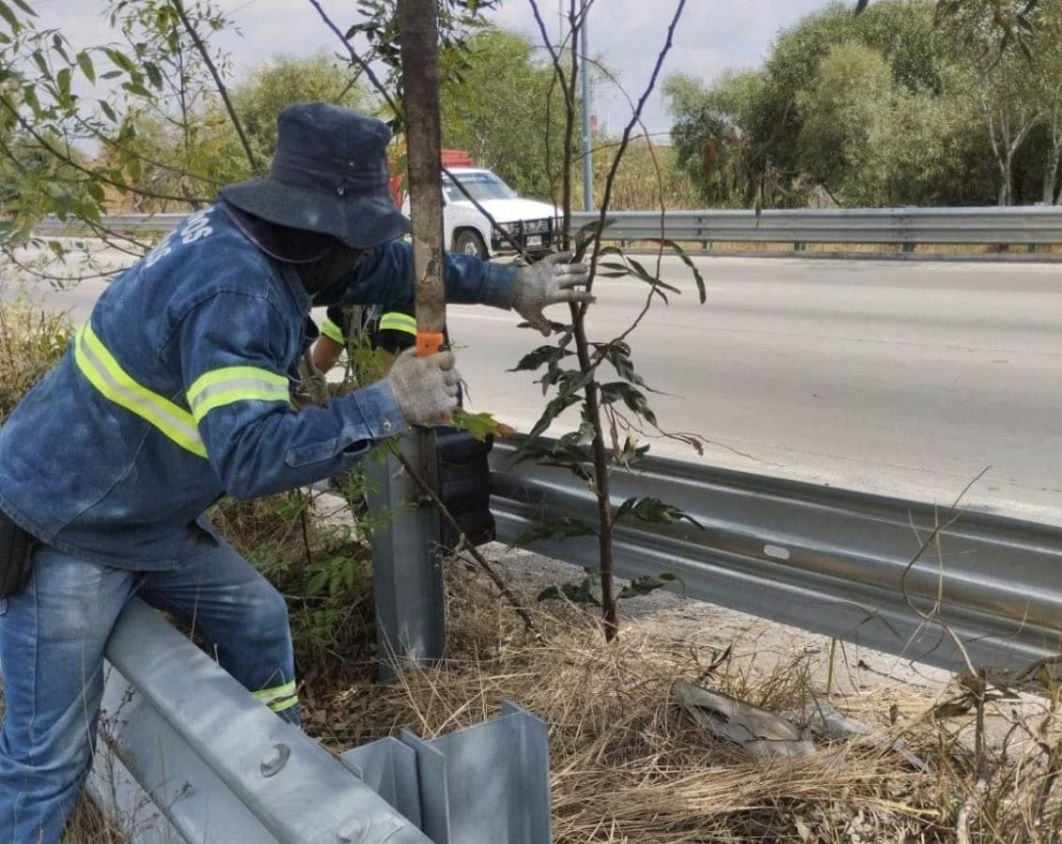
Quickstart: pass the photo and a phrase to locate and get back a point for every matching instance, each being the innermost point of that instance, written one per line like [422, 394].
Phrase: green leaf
[111, 74]
[586, 234]
[42, 63]
[153, 74]
[120, 60]
[25, 7]
[479, 425]
[565, 527]
[62, 79]
[697, 277]
[84, 61]
[136, 89]
[9, 16]
[634, 399]
[654, 511]
[647, 583]
[543, 354]
[107, 110]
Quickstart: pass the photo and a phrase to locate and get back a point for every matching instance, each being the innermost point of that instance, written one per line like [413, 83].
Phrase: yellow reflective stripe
[235, 383]
[333, 332]
[278, 698]
[114, 383]
[398, 322]
[281, 705]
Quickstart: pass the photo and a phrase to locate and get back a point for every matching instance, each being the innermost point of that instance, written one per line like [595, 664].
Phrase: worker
[175, 393]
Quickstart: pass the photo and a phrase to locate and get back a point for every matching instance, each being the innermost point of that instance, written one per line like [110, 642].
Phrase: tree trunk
[1051, 174]
[1004, 182]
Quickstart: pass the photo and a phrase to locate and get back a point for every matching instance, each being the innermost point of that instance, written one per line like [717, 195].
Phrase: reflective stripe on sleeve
[333, 332]
[106, 375]
[397, 321]
[278, 698]
[235, 383]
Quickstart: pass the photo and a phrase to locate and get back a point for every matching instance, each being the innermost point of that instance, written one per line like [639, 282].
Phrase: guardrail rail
[1030, 226]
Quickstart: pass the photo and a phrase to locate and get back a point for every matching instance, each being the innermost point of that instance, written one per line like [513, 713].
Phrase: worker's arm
[332, 342]
[385, 277]
[238, 392]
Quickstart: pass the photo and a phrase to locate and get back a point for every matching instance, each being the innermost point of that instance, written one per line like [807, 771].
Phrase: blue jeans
[52, 638]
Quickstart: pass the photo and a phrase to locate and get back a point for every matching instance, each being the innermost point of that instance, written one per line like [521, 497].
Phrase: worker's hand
[549, 282]
[425, 388]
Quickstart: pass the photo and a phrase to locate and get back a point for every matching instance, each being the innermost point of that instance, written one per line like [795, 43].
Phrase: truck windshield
[481, 185]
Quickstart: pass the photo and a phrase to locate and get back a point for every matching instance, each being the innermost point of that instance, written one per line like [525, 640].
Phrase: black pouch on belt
[16, 557]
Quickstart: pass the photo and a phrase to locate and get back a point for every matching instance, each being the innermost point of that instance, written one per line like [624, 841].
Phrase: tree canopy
[901, 104]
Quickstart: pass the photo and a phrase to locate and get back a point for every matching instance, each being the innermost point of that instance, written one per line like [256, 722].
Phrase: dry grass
[31, 342]
[629, 766]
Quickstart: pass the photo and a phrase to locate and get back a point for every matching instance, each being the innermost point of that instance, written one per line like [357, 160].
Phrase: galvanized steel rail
[187, 756]
[1032, 226]
[909, 226]
[822, 559]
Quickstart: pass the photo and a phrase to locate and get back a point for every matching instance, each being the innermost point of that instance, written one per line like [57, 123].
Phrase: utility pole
[588, 161]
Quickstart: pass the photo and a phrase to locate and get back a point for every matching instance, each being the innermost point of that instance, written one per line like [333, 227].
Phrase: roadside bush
[31, 343]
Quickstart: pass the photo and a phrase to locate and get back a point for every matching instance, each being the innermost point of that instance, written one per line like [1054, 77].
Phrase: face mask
[329, 270]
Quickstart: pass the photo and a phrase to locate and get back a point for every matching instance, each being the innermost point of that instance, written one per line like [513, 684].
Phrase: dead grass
[629, 766]
[31, 342]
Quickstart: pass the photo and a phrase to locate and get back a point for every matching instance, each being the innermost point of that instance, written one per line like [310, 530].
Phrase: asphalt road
[898, 378]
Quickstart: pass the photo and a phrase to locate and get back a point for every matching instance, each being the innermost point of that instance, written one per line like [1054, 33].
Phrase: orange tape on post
[428, 343]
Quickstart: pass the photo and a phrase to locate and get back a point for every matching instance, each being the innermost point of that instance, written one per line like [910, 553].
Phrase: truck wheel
[468, 242]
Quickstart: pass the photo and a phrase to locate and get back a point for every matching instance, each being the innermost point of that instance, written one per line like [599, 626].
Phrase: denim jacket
[177, 391]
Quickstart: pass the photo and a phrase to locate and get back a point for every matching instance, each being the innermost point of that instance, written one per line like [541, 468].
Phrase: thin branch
[635, 118]
[496, 579]
[358, 60]
[178, 7]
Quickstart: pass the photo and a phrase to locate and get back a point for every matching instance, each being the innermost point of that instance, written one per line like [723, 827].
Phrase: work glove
[552, 280]
[425, 388]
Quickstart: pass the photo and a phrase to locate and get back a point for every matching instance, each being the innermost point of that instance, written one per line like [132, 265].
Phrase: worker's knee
[267, 613]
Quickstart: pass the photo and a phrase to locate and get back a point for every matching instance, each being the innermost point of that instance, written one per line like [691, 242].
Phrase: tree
[711, 134]
[501, 106]
[844, 112]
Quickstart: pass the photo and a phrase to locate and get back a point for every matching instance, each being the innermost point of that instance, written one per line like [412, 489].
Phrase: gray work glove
[425, 388]
[548, 282]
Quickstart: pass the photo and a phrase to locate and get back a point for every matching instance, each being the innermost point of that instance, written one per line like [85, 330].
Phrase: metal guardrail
[1020, 225]
[187, 756]
[1032, 226]
[822, 559]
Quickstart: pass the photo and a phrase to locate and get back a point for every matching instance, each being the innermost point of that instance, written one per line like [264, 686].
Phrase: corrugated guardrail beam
[1019, 225]
[823, 559]
[219, 765]
[187, 756]
[1025, 225]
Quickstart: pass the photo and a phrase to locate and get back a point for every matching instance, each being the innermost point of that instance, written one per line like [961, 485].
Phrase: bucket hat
[329, 175]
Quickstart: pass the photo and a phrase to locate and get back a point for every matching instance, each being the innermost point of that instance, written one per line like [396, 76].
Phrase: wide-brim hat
[329, 175]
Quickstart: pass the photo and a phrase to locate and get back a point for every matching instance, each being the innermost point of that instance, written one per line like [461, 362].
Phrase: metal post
[406, 562]
[588, 160]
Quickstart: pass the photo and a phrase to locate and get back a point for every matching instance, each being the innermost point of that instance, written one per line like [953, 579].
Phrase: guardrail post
[908, 247]
[407, 560]
[488, 784]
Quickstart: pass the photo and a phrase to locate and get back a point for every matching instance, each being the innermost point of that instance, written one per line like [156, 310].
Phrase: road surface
[898, 378]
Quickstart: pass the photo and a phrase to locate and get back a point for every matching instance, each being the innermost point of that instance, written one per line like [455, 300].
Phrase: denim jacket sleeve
[386, 278]
[234, 349]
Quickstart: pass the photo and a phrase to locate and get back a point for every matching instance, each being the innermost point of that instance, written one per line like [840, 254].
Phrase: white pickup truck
[468, 231]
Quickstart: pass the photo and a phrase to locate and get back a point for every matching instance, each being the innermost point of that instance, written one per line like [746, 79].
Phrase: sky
[714, 35]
